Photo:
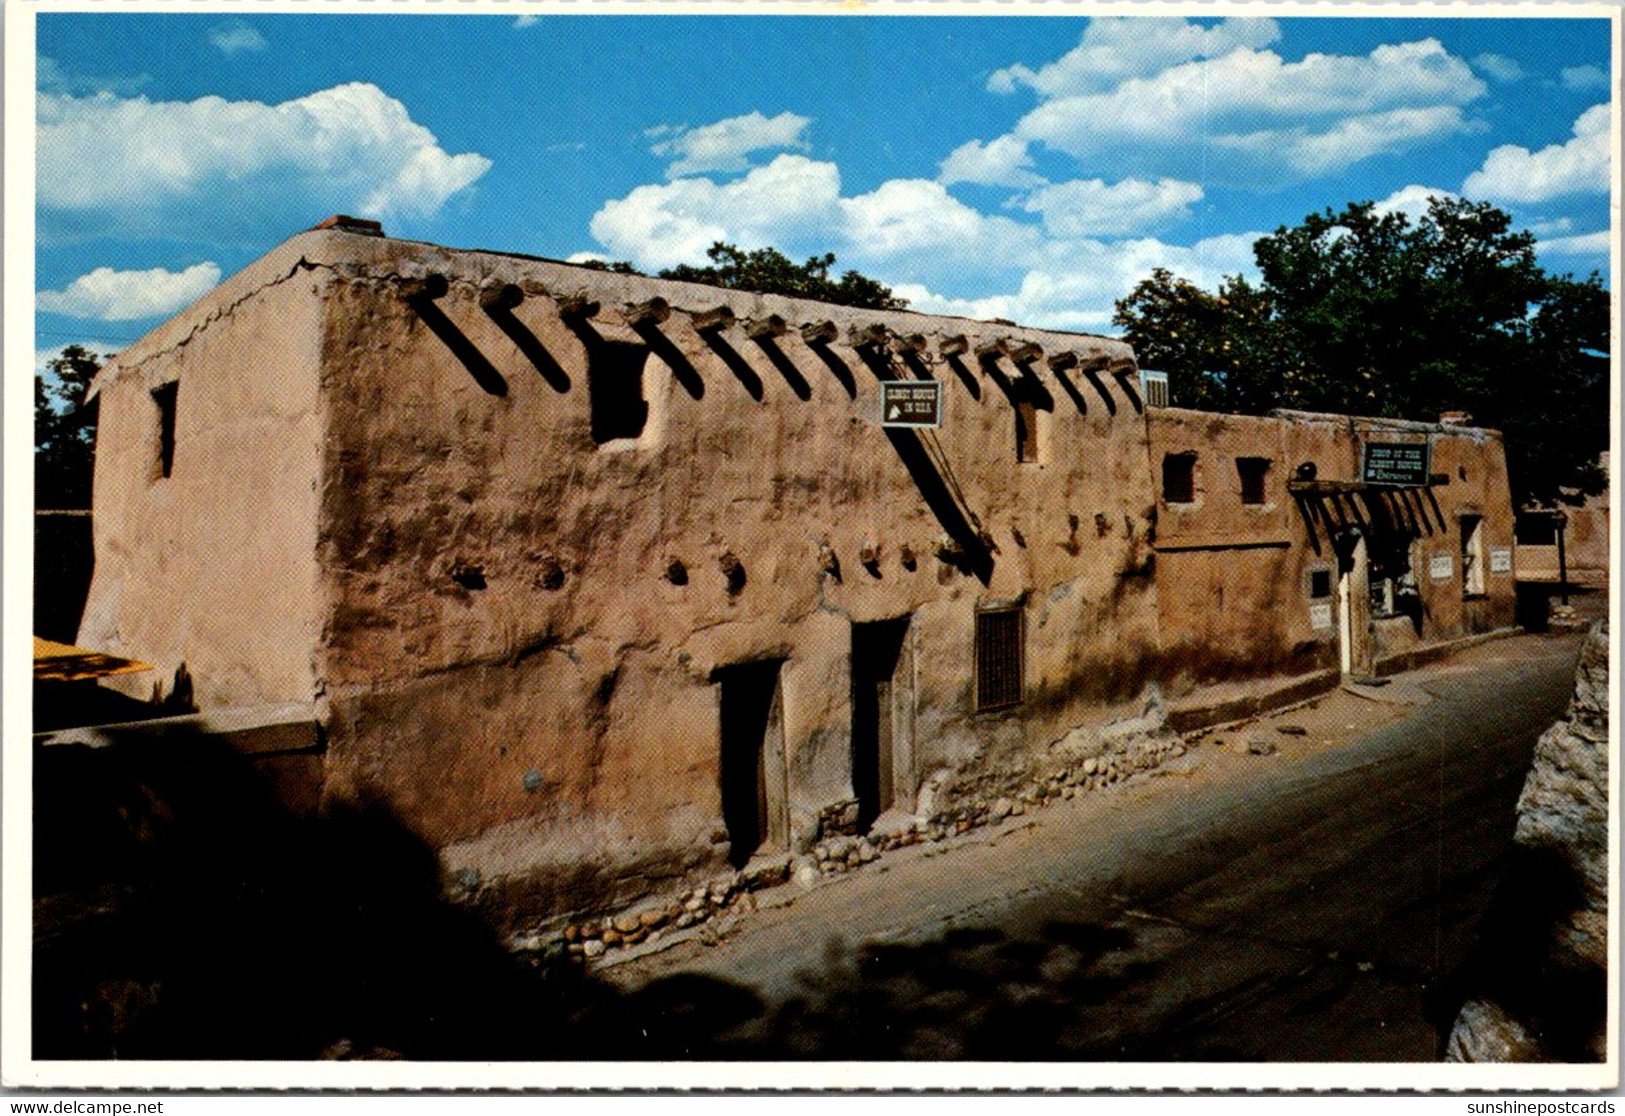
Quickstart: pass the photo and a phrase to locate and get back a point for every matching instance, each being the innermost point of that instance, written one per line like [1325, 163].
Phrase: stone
[626, 923]
[1001, 809]
[652, 919]
[611, 937]
[1260, 748]
[805, 872]
[1291, 730]
[592, 948]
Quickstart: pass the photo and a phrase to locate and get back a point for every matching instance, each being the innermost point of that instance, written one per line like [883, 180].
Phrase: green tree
[769, 271]
[65, 430]
[1368, 313]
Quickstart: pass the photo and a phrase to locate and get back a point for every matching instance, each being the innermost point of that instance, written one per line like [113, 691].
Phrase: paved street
[1311, 904]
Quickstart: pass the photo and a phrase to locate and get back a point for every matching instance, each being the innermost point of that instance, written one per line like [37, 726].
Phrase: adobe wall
[511, 665]
[1235, 582]
[214, 566]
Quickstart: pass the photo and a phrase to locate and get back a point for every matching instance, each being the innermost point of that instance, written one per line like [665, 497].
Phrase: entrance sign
[1320, 616]
[1442, 567]
[1404, 464]
[1500, 559]
[910, 403]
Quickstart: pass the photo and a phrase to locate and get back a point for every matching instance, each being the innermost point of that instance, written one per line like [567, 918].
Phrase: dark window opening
[615, 388]
[1026, 431]
[1535, 529]
[998, 658]
[1320, 584]
[164, 397]
[1253, 471]
[877, 651]
[1179, 478]
[1391, 578]
[751, 724]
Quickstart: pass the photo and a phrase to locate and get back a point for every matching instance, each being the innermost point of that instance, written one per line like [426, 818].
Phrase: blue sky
[1025, 167]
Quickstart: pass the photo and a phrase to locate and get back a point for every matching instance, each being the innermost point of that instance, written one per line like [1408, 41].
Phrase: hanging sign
[1441, 567]
[1402, 464]
[1500, 559]
[910, 403]
[1320, 616]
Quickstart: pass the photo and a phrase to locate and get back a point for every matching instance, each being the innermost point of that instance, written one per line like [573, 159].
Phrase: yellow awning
[62, 662]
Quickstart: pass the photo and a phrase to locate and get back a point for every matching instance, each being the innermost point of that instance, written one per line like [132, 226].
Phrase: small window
[1179, 478]
[1252, 471]
[615, 390]
[1026, 431]
[1320, 584]
[998, 658]
[1472, 555]
[1536, 529]
[164, 397]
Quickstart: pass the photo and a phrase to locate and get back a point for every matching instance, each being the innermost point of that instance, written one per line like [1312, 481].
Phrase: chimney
[1455, 418]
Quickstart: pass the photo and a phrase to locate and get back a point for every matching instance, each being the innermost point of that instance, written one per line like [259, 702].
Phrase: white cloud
[1513, 173]
[1114, 49]
[1092, 207]
[525, 20]
[1077, 283]
[1585, 244]
[235, 36]
[727, 144]
[913, 217]
[1261, 115]
[117, 296]
[1584, 77]
[1412, 201]
[663, 225]
[1003, 162]
[1498, 66]
[109, 165]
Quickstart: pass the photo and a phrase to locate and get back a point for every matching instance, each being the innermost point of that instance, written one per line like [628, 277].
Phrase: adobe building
[604, 584]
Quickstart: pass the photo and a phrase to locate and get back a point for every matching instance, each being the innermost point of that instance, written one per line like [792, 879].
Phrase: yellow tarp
[61, 662]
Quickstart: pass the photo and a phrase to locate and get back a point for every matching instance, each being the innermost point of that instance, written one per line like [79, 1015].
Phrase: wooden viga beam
[762, 329]
[910, 343]
[1060, 362]
[577, 305]
[496, 296]
[716, 318]
[820, 333]
[870, 335]
[993, 349]
[424, 288]
[653, 312]
[956, 345]
[1026, 352]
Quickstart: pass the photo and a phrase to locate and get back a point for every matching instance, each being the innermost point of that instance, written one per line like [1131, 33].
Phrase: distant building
[600, 583]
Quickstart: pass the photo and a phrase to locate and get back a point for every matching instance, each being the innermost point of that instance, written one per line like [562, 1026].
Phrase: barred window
[999, 654]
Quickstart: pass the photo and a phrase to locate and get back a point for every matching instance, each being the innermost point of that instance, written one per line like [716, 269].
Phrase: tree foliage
[1368, 313]
[65, 430]
[769, 271]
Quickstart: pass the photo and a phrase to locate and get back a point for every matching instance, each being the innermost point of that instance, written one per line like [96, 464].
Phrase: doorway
[752, 769]
[1354, 605]
[882, 718]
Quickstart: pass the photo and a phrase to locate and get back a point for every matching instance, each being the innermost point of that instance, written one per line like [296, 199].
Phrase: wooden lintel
[578, 305]
[770, 326]
[653, 312]
[1343, 487]
[428, 288]
[819, 333]
[718, 317]
[497, 295]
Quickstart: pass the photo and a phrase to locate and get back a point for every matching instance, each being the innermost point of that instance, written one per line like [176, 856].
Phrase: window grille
[999, 654]
[1154, 388]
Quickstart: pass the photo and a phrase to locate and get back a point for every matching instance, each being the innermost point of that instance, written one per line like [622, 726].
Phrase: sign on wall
[1320, 616]
[1442, 567]
[1500, 559]
[1404, 464]
[910, 403]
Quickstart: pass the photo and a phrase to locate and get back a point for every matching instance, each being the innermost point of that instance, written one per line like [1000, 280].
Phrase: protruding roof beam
[718, 317]
[428, 288]
[909, 342]
[1026, 352]
[770, 326]
[653, 312]
[867, 336]
[993, 349]
[578, 305]
[820, 333]
[954, 346]
[495, 295]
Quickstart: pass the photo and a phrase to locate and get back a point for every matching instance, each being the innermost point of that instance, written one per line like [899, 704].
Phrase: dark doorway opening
[880, 707]
[752, 767]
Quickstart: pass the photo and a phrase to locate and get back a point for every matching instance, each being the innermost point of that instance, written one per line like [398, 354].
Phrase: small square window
[998, 658]
[1179, 478]
[1253, 471]
[1320, 584]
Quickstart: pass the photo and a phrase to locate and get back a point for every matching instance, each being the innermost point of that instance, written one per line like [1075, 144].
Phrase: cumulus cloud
[117, 296]
[727, 144]
[1513, 173]
[1003, 162]
[1412, 201]
[1498, 66]
[235, 37]
[675, 222]
[110, 165]
[1075, 284]
[113, 296]
[1584, 77]
[1585, 244]
[1115, 49]
[1092, 207]
[1262, 115]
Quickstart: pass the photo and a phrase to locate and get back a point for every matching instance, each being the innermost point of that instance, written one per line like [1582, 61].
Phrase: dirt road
[1310, 904]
